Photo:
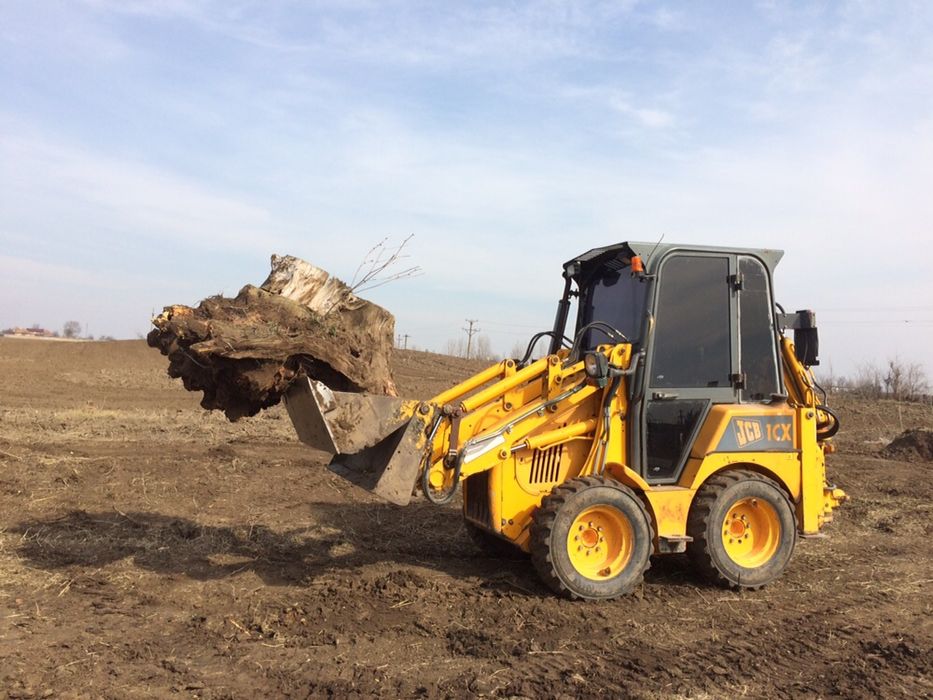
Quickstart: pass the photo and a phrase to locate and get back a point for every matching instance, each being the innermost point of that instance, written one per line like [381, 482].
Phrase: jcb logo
[759, 433]
[747, 431]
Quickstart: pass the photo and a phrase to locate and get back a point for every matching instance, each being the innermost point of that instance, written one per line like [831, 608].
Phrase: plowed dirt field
[151, 549]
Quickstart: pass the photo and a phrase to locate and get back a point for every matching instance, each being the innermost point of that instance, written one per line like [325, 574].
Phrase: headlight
[596, 365]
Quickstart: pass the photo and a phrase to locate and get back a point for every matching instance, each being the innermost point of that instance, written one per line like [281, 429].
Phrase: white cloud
[646, 116]
[47, 181]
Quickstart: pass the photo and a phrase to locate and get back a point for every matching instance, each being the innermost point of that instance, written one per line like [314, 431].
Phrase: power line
[511, 325]
[848, 309]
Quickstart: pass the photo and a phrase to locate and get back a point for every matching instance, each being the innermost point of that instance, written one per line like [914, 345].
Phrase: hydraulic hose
[560, 340]
[610, 332]
[822, 432]
[448, 496]
[604, 438]
[426, 471]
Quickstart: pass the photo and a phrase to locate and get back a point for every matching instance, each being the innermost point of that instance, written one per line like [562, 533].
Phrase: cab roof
[651, 253]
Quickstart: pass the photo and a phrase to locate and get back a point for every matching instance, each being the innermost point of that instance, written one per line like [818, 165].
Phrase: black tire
[707, 525]
[551, 529]
[490, 545]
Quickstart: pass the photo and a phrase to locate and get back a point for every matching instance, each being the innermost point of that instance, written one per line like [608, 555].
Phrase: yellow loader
[672, 416]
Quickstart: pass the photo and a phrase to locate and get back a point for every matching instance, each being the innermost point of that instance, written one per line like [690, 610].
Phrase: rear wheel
[744, 530]
[591, 538]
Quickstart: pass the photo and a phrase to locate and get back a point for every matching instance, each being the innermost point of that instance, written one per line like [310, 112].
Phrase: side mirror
[807, 346]
[806, 336]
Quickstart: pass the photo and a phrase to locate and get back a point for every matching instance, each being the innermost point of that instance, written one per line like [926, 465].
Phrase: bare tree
[374, 270]
[71, 329]
[905, 381]
[456, 347]
[518, 350]
[899, 380]
[521, 347]
[916, 382]
[482, 349]
[868, 382]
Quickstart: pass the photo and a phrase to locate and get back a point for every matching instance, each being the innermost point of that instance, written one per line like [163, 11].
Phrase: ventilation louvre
[545, 465]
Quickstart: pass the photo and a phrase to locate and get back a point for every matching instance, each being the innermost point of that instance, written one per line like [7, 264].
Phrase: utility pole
[470, 333]
[405, 341]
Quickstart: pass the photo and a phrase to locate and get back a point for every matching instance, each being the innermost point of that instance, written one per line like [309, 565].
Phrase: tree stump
[244, 352]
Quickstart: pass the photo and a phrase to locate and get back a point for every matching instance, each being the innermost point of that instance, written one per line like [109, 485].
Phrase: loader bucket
[375, 441]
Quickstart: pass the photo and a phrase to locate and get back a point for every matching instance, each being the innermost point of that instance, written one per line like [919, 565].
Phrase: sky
[157, 152]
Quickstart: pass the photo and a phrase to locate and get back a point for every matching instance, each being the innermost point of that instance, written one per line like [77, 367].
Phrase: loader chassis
[700, 430]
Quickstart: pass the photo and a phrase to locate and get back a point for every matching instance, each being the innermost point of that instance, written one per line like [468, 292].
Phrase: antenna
[655, 248]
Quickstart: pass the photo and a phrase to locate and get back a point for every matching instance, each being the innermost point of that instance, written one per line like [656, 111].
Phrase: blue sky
[158, 152]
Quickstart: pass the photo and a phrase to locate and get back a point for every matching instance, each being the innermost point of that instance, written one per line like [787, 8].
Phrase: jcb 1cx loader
[675, 416]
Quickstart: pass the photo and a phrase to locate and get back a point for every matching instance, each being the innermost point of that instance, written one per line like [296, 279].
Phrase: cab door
[692, 357]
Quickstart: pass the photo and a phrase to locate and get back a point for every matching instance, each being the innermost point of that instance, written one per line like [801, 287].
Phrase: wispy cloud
[505, 137]
[403, 32]
[47, 182]
[644, 116]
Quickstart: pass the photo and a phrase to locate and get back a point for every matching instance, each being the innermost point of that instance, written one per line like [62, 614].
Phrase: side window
[756, 332]
[692, 342]
[671, 425]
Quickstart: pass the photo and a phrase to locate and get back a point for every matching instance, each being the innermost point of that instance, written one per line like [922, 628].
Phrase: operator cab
[703, 328]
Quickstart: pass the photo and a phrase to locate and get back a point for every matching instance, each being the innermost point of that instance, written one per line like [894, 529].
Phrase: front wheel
[744, 530]
[591, 538]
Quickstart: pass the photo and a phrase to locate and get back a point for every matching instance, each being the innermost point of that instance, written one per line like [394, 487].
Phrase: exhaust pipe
[377, 442]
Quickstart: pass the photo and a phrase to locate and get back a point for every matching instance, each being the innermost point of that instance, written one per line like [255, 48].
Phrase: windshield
[615, 297]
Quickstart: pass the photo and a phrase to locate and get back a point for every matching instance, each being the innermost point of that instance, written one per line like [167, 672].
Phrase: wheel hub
[751, 532]
[600, 542]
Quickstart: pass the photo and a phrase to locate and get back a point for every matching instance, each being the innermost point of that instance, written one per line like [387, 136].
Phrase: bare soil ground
[151, 549]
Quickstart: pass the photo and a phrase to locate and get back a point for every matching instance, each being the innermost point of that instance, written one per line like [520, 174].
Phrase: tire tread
[698, 521]
[543, 525]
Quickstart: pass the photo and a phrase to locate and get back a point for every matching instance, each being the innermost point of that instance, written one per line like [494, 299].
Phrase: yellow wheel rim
[751, 532]
[600, 542]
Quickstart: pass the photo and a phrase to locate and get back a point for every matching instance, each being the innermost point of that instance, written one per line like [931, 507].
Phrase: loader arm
[389, 446]
[801, 389]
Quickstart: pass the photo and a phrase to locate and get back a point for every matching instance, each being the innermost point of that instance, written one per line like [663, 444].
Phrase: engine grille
[545, 465]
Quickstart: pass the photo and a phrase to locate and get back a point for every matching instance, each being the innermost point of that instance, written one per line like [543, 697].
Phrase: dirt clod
[914, 445]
